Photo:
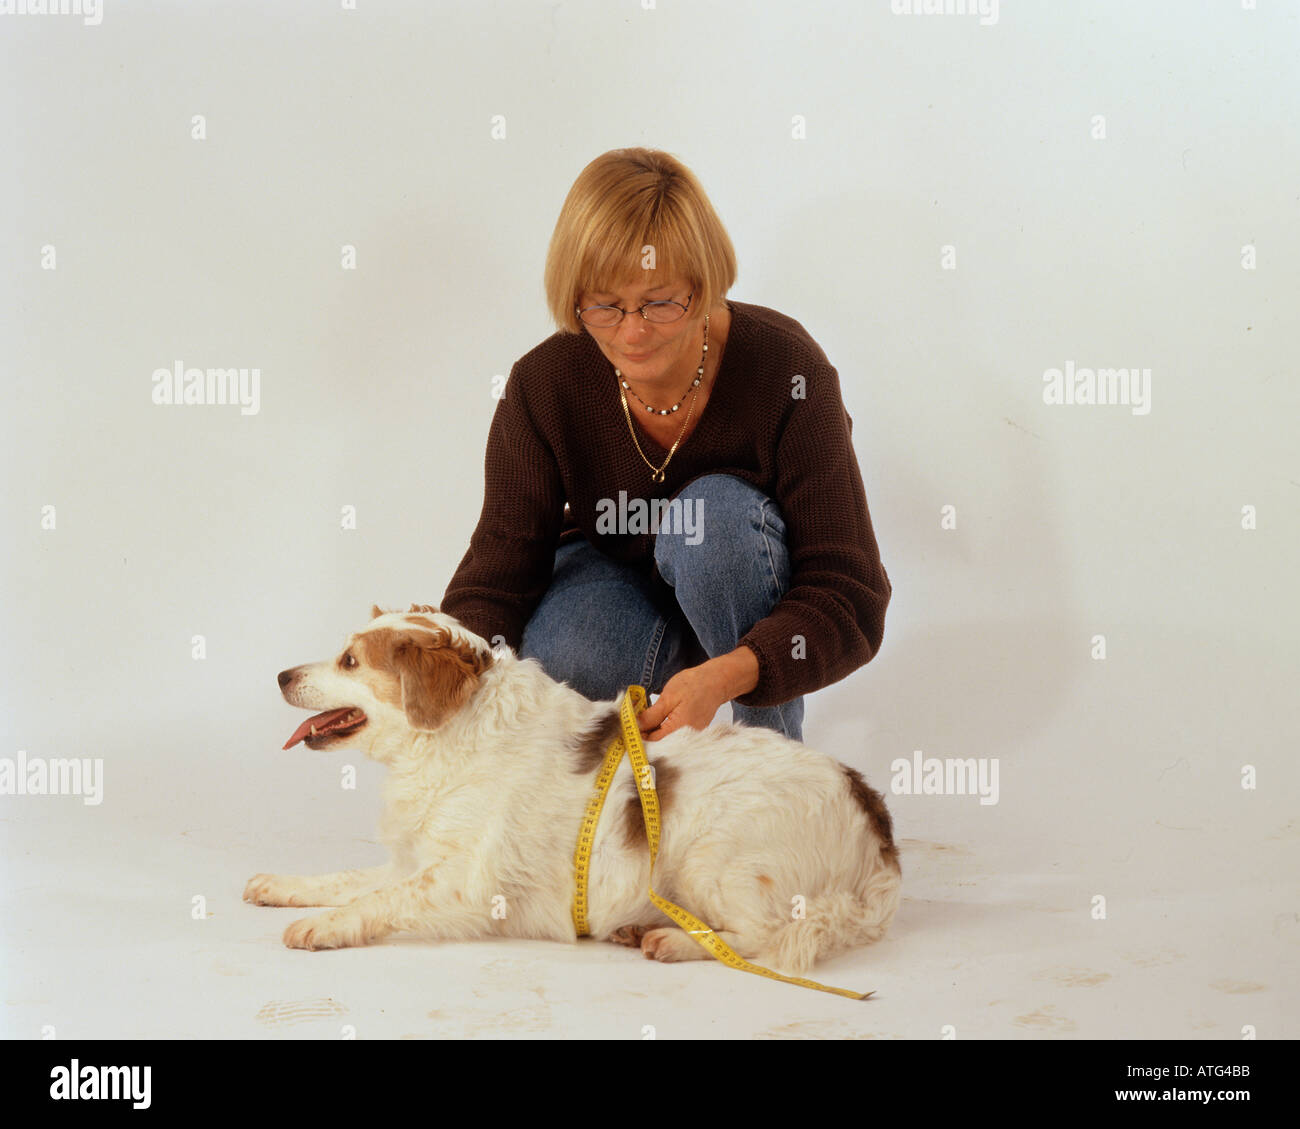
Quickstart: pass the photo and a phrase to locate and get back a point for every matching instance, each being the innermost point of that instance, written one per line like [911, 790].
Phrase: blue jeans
[599, 629]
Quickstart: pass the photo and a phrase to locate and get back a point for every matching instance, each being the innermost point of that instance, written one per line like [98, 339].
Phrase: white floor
[997, 937]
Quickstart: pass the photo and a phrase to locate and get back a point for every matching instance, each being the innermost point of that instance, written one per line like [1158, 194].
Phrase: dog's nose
[284, 678]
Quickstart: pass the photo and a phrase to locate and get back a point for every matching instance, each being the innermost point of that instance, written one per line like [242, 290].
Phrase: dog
[786, 853]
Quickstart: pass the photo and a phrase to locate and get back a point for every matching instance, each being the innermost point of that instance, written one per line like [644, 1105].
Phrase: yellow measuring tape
[634, 701]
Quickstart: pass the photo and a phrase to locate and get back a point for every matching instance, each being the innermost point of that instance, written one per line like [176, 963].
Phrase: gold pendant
[658, 476]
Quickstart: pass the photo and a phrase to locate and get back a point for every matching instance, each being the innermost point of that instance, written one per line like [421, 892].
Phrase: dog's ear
[437, 676]
[376, 611]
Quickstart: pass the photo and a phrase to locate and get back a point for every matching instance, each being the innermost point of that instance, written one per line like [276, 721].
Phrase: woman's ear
[437, 676]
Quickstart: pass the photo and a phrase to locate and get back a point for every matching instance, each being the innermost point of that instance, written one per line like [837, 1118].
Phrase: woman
[672, 497]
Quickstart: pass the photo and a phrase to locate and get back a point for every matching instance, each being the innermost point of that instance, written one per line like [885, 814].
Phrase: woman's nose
[633, 327]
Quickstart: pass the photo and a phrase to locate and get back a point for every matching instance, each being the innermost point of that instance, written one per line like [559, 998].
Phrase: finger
[668, 725]
[650, 717]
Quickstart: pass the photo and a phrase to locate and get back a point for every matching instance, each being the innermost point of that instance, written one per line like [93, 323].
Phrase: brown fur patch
[873, 805]
[422, 621]
[593, 742]
[665, 779]
[434, 677]
[384, 685]
[372, 650]
[376, 611]
[424, 608]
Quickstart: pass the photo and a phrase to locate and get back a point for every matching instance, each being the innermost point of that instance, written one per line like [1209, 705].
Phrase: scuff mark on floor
[1073, 977]
[1237, 987]
[282, 1013]
[1045, 1019]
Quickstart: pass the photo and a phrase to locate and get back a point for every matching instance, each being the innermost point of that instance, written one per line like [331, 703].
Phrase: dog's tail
[833, 923]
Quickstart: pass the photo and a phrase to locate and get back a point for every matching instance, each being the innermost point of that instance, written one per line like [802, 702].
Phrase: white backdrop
[950, 205]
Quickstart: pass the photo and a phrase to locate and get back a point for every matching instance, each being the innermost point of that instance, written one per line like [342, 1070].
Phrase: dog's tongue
[321, 722]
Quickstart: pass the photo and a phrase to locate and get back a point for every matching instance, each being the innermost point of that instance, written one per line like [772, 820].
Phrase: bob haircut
[626, 200]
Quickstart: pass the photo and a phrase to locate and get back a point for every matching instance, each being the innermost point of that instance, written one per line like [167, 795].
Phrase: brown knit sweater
[559, 435]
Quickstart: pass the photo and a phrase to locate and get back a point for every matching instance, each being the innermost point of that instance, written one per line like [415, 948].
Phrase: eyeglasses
[659, 312]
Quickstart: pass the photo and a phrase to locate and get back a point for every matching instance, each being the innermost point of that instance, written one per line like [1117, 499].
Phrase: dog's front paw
[325, 931]
[269, 890]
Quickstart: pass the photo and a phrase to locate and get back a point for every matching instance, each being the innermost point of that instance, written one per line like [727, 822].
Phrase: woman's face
[644, 351]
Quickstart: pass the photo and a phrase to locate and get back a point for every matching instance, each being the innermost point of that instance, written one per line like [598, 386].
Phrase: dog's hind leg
[337, 889]
[834, 923]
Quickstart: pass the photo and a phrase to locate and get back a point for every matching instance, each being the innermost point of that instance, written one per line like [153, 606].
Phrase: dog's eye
[347, 660]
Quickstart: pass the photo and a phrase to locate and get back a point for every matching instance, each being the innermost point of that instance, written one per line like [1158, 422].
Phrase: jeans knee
[539, 644]
[731, 520]
[566, 658]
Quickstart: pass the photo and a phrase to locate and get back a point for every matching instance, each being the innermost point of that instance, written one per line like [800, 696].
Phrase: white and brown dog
[786, 853]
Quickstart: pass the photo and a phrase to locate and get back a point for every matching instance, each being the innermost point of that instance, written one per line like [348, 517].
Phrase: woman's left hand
[692, 696]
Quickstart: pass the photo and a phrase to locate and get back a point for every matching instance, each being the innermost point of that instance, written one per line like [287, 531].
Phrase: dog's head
[402, 671]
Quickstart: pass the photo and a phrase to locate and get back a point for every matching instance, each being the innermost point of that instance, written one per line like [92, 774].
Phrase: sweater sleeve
[508, 566]
[831, 619]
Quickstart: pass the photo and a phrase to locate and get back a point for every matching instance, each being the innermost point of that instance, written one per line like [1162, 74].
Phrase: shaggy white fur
[785, 852]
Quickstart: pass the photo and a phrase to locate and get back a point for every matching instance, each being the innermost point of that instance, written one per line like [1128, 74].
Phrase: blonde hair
[622, 202]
